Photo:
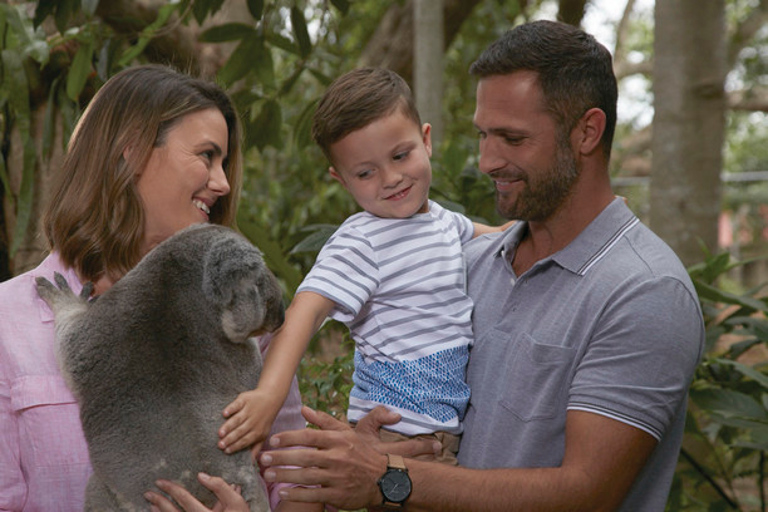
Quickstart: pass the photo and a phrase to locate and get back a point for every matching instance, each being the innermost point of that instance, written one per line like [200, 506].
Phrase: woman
[154, 152]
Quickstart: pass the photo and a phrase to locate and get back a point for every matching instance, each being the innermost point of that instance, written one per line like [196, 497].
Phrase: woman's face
[185, 176]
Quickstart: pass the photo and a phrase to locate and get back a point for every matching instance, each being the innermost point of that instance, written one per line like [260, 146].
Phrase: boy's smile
[385, 166]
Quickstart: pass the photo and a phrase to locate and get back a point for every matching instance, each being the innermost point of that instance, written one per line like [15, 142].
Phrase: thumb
[371, 423]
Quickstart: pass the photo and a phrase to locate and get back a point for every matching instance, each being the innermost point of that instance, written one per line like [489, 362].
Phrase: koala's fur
[154, 361]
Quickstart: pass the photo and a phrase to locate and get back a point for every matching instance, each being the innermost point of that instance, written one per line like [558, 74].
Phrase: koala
[155, 359]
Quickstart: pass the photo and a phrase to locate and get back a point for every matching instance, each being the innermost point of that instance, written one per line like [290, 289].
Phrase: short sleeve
[346, 272]
[641, 359]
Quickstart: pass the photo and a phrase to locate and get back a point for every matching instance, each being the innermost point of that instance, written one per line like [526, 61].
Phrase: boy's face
[385, 166]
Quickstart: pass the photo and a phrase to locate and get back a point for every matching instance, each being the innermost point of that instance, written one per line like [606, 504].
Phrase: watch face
[395, 485]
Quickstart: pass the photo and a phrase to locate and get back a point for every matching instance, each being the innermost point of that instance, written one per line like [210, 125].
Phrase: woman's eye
[208, 155]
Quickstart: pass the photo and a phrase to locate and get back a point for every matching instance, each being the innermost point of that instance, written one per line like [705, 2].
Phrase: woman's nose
[217, 181]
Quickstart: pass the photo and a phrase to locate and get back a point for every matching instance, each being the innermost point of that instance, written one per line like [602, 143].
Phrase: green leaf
[79, 70]
[44, 9]
[163, 15]
[316, 239]
[201, 9]
[341, 5]
[65, 9]
[300, 31]
[273, 254]
[251, 55]
[302, 132]
[712, 293]
[256, 8]
[226, 32]
[265, 129]
[324, 79]
[15, 87]
[728, 403]
[49, 121]
[745, 370]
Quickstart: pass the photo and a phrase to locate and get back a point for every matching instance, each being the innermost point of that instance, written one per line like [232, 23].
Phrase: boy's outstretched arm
[250, 415]
[482, 229]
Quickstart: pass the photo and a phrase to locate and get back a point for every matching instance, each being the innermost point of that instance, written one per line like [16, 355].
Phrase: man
[587, 327]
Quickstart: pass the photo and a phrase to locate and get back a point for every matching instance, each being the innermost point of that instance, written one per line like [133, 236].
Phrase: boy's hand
[250, 418]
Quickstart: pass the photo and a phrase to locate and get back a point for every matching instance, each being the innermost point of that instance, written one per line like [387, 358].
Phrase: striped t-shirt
[400, 287]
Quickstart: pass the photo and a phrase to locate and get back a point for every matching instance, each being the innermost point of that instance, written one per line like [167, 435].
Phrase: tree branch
[746, 30]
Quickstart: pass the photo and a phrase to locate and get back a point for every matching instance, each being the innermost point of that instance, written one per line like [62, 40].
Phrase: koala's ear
[229, 260]
[233, 278]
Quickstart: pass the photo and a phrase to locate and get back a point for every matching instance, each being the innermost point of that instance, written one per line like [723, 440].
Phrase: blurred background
[690, 154]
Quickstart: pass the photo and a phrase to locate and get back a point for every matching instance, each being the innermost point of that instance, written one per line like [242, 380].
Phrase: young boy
[394, 274]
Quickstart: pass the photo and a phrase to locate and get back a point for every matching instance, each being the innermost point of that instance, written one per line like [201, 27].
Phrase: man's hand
[342, 463]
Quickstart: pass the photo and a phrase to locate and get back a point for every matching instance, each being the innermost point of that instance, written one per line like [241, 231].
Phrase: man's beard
[545, 193]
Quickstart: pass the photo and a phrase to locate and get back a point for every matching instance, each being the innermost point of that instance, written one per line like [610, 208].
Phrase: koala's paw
[60, 296]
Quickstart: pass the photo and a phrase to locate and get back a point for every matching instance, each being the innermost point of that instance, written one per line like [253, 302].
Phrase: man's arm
[602, 459]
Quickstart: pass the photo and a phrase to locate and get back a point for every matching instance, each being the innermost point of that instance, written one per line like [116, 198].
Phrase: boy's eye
[364, 174]
[401, 155]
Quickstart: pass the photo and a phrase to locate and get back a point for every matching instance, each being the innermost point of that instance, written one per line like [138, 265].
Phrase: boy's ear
[426, 137]
[335, 175]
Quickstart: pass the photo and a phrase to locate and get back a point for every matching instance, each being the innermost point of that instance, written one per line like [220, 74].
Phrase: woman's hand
[229, 497]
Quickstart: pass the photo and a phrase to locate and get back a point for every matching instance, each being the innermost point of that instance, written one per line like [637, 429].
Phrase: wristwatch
[395, 484]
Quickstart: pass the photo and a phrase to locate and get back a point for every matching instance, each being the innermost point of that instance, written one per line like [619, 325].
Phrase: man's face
[532, 166]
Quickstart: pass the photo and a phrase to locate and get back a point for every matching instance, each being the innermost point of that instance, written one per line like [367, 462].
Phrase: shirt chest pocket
[536, 375]
[50, 433]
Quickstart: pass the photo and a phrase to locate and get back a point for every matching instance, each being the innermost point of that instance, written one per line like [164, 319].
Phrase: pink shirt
[44, 463]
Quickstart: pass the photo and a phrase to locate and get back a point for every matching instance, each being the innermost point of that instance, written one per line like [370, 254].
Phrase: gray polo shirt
[610, 325]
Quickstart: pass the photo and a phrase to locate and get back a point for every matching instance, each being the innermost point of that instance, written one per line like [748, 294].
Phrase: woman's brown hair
[95, 218]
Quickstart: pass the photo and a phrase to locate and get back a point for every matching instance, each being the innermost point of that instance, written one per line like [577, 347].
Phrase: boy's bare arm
[482, 229]
[250, 415]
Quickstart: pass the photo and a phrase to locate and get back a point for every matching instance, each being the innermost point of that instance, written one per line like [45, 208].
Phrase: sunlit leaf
[79, 70]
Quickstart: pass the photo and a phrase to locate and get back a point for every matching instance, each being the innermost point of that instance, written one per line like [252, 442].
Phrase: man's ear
[426, 137]
[590, 129]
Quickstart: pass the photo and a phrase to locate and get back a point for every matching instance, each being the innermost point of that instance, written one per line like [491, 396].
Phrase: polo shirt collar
[589, 247]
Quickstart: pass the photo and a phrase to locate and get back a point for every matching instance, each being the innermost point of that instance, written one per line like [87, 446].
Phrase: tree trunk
[391, 45]
[688, 125]
[428, 64]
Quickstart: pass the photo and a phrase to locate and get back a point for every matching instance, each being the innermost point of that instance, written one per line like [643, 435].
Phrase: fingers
[234, 407]
[178, 493]
[411, 447]
[229, 497]
[371, 423]
[323, 420]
